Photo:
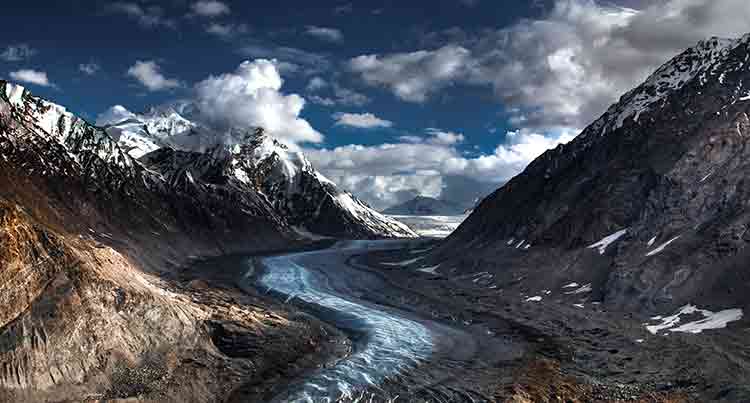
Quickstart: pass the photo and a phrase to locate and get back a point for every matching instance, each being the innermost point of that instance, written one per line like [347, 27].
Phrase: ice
[533, 299]
[662, 246]
[606, 241]
[651, 241]
[571, 285]
[578, 306]
[393, 343]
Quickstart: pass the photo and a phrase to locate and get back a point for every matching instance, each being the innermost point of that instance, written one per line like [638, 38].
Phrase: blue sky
[447, 98]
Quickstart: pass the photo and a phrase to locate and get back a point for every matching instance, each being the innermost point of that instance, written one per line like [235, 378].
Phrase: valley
[216, 247]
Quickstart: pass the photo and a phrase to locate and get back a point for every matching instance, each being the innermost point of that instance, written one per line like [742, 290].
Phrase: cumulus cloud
[32, 77]
[114, 114]
[146, 16]
[413, 76]
[325, 33]
[391, 173]
[89, 68]
[209, 8]
[250, 97]
[361, 120]
[17, 53]
[564, 69]
[149, 74]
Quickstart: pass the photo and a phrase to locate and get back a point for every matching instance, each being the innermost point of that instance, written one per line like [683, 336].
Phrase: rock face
[422, 205]
[658, 183]
[189, 155]
[90, 243]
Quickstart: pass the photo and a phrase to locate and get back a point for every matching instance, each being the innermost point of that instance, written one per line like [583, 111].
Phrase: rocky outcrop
[657, 186]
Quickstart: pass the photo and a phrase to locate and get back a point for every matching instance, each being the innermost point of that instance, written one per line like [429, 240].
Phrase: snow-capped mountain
[190, 155]
[425, 206]
[657, 186]
[82, 167]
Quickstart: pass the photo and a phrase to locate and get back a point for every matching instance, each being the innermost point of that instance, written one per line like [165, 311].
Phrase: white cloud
[347, 8]
[210, 8]
[146, 16]
[226, 31]
[348, 97]
[32, 77]
[315, 84]
[324, 101]
[325, 33]
[149, 74]
[308, 63]
[339, 95]
[361, 120]
[386, 174]
[565, 68]
[251, 97]
[413, 76]
[114, 114]
[17, 53]
[444, 137]
[89, 68]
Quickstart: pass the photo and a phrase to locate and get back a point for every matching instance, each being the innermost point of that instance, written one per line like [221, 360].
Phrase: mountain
[647, 206]
[422, 205]
[97, 299]
[91, 245]
[187, 153]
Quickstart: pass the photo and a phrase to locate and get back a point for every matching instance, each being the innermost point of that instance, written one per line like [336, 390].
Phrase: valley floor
[483, 346]
[350, 322]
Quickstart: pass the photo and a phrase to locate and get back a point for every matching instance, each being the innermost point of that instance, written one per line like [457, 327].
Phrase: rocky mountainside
[191, 155]
[90, 245]
[645, 210]
[425, 206]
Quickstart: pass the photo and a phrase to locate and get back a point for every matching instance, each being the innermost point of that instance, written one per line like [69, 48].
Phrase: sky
[390, 99]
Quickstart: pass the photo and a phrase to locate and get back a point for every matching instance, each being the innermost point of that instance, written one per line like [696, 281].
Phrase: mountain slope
[422, 205]
[94, 304]
[177, 148]
[657, 186]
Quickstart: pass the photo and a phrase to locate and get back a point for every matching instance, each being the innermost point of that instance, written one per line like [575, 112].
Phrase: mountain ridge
[664, 164]
[423, 205]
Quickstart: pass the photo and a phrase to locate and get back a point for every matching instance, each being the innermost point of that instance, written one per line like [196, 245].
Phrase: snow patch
[584, 289]
[661, 247]
[533, 299]
[607, 240]
[711, 320]
[429, 270]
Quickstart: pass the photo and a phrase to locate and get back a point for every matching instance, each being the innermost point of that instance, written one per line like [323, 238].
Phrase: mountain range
[425, 206]
[92, 238]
